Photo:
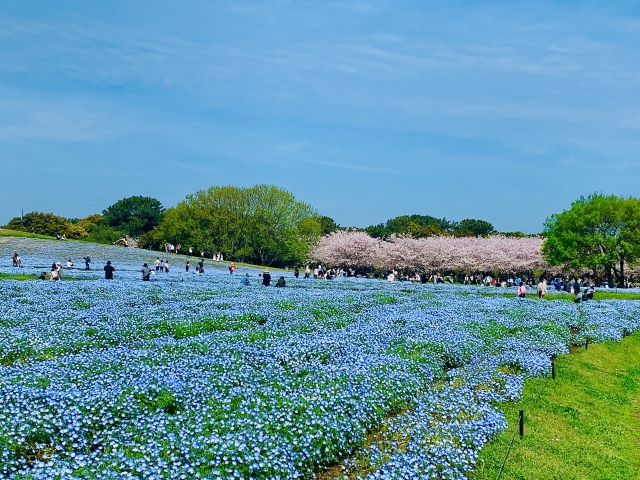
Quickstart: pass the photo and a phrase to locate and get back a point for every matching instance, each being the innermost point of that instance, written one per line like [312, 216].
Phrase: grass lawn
[598, 295]
[15, 233]
[17, 276]
[584, 425]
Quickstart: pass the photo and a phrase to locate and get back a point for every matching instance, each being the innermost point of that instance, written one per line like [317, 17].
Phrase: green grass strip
[598, 295]
[584, 425]
[17, 276]
[17, 233]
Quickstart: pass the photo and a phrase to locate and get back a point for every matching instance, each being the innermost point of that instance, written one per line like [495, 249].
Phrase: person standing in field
[522, 290]
[266, 278]
[307, 272]
[53, 275]
[187, 266]
[108, 271]
[161, 265]
[576, 287]
[166, 266]
[157, 263]
[542, 288]
[296, 272]
[146, 272]
[87, 263]
[59, 269]
[69, 264]
[232, 268]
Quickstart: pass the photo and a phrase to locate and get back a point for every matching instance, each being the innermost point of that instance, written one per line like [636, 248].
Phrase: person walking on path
[542, 288]
[146, 272]
[266, 278]
[87, 263]
[108, 270]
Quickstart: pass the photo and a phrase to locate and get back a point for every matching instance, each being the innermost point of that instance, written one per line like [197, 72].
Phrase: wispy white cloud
[349, 87]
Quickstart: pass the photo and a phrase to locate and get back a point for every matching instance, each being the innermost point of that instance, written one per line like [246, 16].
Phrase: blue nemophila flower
[196, 376]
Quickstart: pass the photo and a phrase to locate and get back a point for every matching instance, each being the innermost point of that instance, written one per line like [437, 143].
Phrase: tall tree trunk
[621, 277]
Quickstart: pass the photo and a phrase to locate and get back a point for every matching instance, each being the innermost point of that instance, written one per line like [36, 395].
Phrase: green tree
[517, 234]
[134, 215]
[46, 224]
[415, 225]
[280, 226]
[259, 224]
[98, 229]
[598, 232]
[472, 227]
[327, 225]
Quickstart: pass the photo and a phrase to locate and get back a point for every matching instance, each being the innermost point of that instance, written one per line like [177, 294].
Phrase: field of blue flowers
[197, 376]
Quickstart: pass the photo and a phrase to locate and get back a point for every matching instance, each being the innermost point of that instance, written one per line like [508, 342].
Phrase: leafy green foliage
[470, 226]
[46, 224]
[261, 224]
[98, 230]
[134, 215]
[598, 232]
[415, 225]
[327, 225]
[420, 226]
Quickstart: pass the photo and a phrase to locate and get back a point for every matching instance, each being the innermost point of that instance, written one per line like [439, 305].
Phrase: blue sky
[366, 110]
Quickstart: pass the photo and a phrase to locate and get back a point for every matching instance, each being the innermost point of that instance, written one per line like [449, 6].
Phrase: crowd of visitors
[582, 289]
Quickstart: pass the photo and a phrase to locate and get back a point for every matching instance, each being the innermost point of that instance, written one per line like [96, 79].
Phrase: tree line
[422, 226]
[267, 225]
[260, 224]
[599, 236]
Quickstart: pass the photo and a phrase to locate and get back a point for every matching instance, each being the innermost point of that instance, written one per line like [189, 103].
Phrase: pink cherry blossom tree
[507, 255]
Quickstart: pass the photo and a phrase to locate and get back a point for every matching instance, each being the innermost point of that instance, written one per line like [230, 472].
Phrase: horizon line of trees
[599, 236]
[423, 226]
[261, 224]
[267, 225]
